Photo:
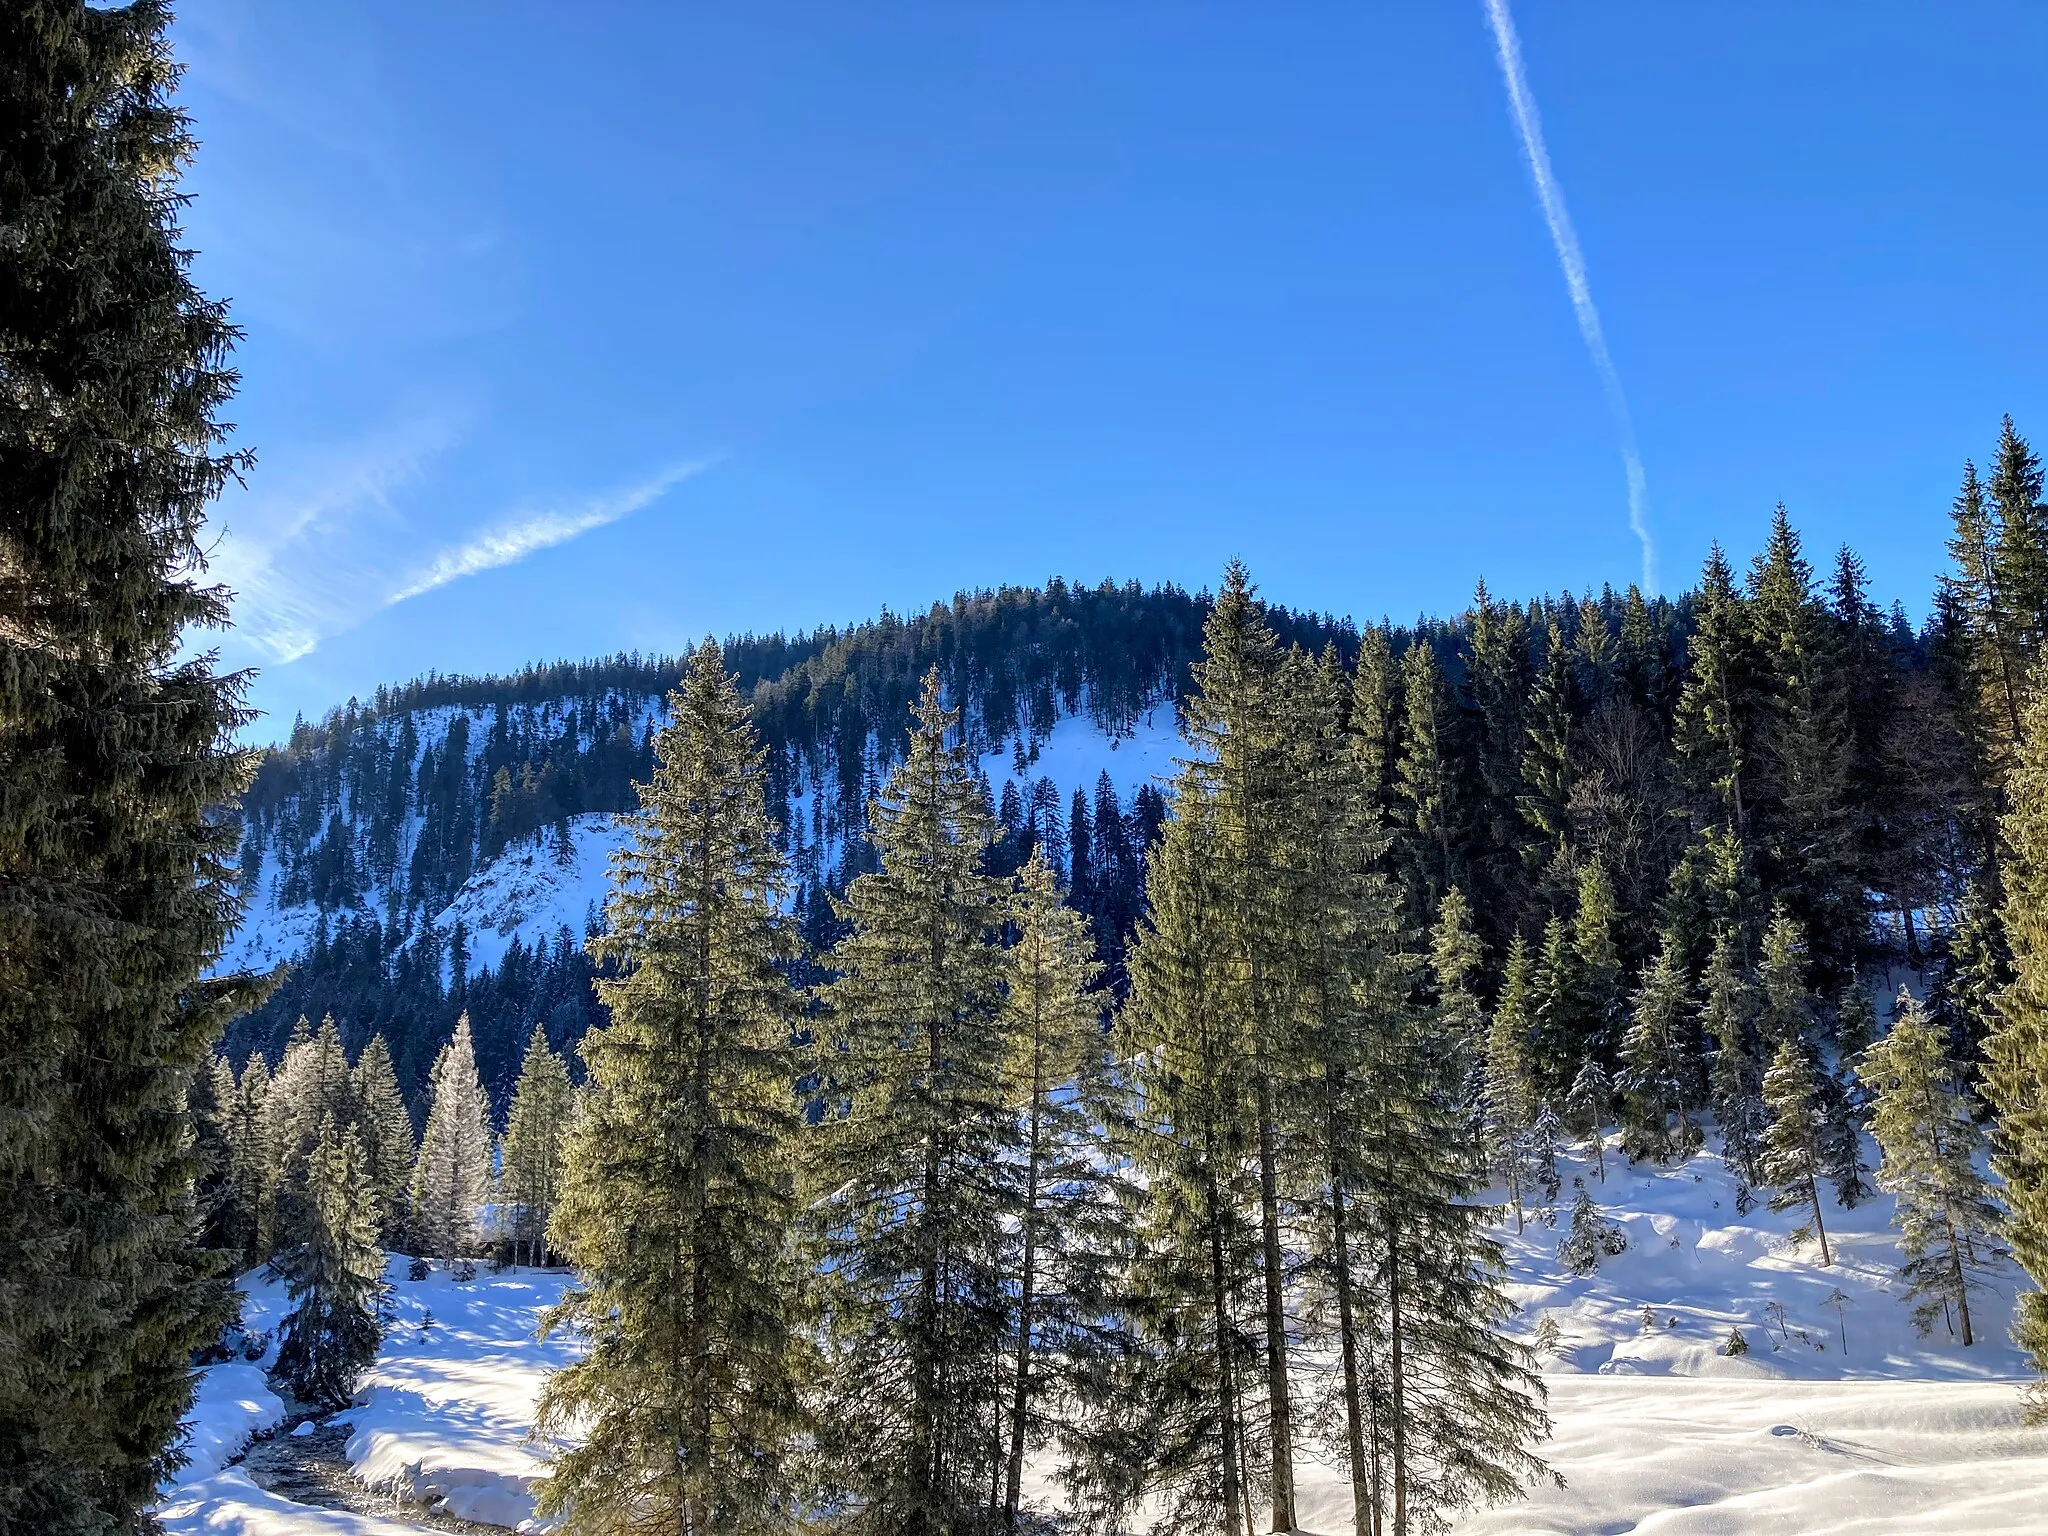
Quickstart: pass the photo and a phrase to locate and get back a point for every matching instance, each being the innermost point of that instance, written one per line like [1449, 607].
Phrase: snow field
[445, 1416]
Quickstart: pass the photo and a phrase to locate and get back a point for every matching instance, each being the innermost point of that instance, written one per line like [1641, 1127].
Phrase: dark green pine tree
[1462, 1407]
[1567, 1028]
[116, 753]
[1547, 759]
[678, 1200]
[530, 1155]
[1717, 704]
[1727, 1014]
[1926, 1126]
[1198, 1260]
[386, 1128]
[1241, 729]
[916, 1172]
[1660, 1057]
[1350, 988]
[1073, 1234]
[1512, 1088]
[334, 1276]
[1499, 676]
[1377, 714]
[1427, 783]
[1807, 834]
[2016, 1051]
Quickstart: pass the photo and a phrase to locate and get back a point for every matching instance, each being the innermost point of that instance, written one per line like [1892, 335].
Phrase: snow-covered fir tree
[1585, 1109]
[334, 1276]
[1727, 1012]
[1511, 1095]
[1925, 1126]
[678, 1198]
[451, 1178]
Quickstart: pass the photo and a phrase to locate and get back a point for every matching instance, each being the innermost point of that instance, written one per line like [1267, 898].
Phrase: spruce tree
[2016, 1050]
[678, 1202]
[451, 1178]
[1787, 1012]
[1456, 964]
[916, 1174]
[530, 1158]
[116, 757]
[1660, 1056]
[334, 1276]
[1792, 1150]
[1511, 1089]
[1073, 1233]
[1198, 1258]
[1351, 990]
[1427, 787]
[1585, 1108]
[1717, 705]
[1925, 1126]
[386, 1129]
[1727, 1013]
[1241, 726]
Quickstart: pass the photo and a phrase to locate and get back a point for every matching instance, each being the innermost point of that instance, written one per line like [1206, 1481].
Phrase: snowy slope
[531, 892]
[1077, 752]
[444, 1416]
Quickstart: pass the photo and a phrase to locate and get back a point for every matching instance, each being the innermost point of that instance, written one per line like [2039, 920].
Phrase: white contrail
[1566, 239]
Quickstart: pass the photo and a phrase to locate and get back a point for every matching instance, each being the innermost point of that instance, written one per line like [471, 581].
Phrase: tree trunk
[1819, 1226]
[1354, 1409]
[1021, 1392]
[1397, 1369]
[1226, 1385]
[1278, 1406]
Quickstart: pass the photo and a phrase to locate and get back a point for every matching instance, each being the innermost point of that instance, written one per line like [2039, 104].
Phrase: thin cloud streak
[1548, 193]
[513, 541]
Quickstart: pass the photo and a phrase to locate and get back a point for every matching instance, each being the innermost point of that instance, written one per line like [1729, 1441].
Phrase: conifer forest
[1081, 1058]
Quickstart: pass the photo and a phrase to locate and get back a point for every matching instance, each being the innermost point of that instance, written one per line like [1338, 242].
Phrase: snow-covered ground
[1656, 1429]
[531, 892]
[443, 1419]
[1077, 752]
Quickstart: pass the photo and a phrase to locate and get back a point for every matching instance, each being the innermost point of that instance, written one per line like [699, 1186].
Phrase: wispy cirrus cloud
[320, 543]
[527, 533]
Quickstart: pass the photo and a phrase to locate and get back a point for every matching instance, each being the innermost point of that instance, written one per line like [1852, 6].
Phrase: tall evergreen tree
[1660, 1064]
[1928, 1133]
[1199, 1254]
[1426, 787]
[1793, 1143]
[451, 1179]
[116, 750]
[1717, 707]
[1239, 726]
[531, 1155]
[1511, 1084]
[386, 1128]
[1727, 1013]
[916, 1174]
[677, 1202]
[334, 1276]
[2016, 1051]
[1073, 1230]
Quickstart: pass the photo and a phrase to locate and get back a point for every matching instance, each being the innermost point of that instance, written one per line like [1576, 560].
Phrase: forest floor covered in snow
[1656, 1430]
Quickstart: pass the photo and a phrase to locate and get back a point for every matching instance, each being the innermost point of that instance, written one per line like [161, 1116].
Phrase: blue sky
[574, 329]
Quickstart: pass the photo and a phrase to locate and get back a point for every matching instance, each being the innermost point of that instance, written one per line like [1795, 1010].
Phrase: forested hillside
[1769, 731]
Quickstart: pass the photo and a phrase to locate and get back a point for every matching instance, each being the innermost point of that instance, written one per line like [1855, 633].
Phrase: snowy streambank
[444, 1415]
[442, 1419]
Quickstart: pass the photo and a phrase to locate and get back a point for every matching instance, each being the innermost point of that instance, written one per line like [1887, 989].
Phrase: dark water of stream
[313, 1469]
